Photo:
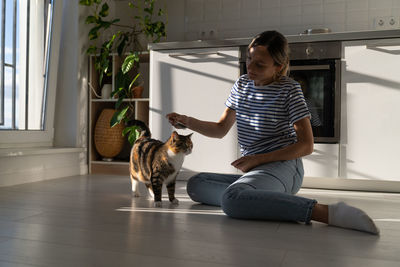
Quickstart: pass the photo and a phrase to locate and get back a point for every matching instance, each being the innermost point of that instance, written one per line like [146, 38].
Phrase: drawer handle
[195, 54]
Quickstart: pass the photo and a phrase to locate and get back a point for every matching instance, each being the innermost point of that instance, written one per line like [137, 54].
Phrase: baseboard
[30, 176]
[29, 166]
[351, 184]
[333, 183]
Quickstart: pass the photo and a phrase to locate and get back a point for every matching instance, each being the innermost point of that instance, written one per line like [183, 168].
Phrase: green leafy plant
[147, 22]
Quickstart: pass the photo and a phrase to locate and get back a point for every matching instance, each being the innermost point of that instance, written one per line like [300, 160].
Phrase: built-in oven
[316, 66]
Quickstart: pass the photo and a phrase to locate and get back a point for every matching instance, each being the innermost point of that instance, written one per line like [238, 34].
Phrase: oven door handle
[310, 67]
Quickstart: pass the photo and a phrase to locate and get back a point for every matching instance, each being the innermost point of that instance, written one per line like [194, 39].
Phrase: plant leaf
[93, 33]
[133, 136]
[131, 5]
[118, 82]
[133, 133]
[86, 2]
[129, 62]
[110, 43]
[126, 130]
[104, 10]
[121, 46]
[91, 50]
[90, 19]
[119, 102]
[118, 117]
[133, 81]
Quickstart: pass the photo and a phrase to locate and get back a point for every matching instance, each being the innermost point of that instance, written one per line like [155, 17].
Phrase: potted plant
[124, 40]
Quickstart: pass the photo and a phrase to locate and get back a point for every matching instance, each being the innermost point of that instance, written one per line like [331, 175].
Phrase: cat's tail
[145, 131]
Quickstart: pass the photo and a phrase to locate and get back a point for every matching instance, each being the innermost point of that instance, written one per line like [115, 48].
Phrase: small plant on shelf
[124, 40]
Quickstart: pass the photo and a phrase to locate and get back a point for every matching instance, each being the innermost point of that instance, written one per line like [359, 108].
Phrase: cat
[156, 163]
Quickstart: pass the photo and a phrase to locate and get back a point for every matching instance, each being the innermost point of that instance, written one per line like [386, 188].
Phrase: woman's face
[261, 67]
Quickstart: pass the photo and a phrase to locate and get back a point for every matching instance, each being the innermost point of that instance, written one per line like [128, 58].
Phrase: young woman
[274, 132]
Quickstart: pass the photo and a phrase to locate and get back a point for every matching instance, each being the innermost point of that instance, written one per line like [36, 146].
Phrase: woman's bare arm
[304, 146]
[211, 129]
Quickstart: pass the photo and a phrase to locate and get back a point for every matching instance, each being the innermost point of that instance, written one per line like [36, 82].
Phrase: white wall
[67, 101]
[186, 21]
[194, 19]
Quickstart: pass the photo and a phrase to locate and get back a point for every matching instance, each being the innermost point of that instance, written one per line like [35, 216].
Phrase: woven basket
[108, 141]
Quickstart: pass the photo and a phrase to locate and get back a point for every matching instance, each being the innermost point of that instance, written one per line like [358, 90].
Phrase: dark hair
[277, 47]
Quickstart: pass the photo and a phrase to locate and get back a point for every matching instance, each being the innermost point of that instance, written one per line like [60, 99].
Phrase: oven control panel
[315, 50]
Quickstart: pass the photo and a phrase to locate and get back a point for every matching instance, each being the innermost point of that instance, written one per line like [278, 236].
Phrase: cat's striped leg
[156, 185]
[171, 193]
[135, 186]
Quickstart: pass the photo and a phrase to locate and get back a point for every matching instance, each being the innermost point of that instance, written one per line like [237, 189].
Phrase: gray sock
[343, 215]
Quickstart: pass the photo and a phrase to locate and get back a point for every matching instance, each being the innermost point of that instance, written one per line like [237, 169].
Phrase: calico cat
[154, 162]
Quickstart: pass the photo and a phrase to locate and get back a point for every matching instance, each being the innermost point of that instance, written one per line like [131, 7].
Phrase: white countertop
[300, 38]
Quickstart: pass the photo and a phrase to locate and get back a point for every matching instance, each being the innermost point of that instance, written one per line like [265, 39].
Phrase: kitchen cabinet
[323, 162]
[370, 102]
[120, 163]
[195, 82]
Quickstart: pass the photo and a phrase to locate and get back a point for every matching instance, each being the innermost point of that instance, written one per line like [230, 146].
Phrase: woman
[274, 132]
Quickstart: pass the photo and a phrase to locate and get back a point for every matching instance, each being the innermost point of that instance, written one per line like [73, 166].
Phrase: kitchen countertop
[300, 38]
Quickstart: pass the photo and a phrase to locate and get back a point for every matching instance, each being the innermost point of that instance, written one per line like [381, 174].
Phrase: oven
[316, 66]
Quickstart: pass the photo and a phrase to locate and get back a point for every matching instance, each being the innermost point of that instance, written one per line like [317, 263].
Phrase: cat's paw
[175, 201]
[150, 193]
[157, 204]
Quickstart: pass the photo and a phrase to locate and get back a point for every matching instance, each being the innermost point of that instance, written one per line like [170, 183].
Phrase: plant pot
[137, 91]
[108, 141]
[106, 91]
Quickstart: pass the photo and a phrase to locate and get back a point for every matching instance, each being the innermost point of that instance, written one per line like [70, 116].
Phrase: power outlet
[208, 34]
[386, 23]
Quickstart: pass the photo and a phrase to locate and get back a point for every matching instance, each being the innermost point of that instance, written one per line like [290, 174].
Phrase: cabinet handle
[310, 67]
[195, 54]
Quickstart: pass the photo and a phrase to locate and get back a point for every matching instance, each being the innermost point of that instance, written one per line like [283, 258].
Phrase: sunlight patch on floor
[386, 220]
[178, 211]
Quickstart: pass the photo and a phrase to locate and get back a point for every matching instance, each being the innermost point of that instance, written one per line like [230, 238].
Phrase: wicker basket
[108, 141]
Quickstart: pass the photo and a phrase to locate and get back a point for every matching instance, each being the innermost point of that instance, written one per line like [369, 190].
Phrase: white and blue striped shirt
[265, 114]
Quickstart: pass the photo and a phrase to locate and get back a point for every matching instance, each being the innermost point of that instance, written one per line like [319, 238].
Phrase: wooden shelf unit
[120, 164]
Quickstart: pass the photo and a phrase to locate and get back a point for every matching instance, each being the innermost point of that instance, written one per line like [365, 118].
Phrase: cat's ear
[174, 136]
[190, 135]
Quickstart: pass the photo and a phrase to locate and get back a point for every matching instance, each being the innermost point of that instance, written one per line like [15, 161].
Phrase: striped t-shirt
[265, 114]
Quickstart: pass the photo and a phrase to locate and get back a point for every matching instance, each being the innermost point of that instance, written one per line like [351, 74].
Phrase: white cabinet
[370, 123]
[196, 83]
[323, 162]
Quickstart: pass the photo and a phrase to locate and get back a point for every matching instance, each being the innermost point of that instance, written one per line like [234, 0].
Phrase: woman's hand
[246, 163]
[177, 120]
[208, 128]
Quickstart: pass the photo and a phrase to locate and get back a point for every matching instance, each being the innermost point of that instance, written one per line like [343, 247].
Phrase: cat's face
[180, 143]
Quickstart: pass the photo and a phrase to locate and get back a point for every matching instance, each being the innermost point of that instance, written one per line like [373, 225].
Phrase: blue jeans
[267, 192]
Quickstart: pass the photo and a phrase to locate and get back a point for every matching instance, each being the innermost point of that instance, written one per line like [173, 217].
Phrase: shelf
[112, 168]
[110, 162]
[125, 100]
[96, 105]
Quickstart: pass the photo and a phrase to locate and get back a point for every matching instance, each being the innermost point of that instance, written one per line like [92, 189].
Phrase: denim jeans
[267, 192]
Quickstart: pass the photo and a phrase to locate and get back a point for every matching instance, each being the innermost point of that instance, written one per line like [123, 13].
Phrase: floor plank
[93, 220]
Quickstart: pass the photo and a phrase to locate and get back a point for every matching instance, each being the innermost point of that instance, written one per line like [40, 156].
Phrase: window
[24, 49]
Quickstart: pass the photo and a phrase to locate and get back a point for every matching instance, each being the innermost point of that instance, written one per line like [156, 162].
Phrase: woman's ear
[279, 68]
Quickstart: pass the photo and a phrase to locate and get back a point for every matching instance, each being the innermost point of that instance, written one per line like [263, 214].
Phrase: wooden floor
[94, 221]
